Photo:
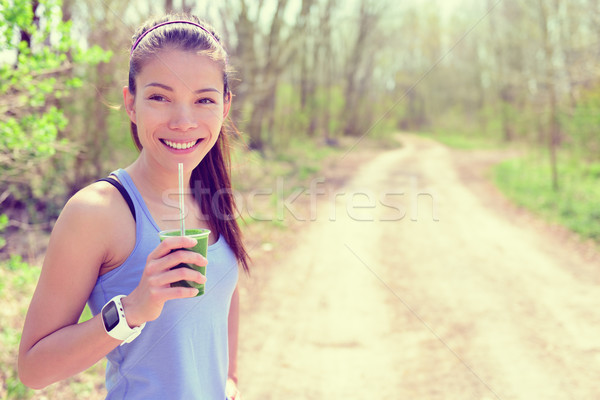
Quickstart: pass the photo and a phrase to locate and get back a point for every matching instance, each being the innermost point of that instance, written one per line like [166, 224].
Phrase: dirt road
[415, 281]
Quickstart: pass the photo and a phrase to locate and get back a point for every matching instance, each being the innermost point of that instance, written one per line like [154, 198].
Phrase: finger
[170, 244]
[178, 274]
[156, 296]
[173, 259]
[177, 292]
[185, 256]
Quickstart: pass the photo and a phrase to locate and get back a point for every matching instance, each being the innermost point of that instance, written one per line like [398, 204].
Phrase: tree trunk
[263, 109]
[550, 82]
[306, 77]
[329, 77]
[355, 68]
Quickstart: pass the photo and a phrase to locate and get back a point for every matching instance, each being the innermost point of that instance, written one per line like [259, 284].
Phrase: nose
[182, 118]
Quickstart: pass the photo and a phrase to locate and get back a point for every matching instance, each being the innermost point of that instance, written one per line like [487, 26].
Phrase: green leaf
[3, 221]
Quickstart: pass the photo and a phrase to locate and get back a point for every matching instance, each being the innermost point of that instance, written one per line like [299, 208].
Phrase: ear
[129, 101]
[227, 104]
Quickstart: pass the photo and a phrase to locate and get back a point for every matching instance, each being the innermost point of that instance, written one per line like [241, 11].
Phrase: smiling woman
[177, 99]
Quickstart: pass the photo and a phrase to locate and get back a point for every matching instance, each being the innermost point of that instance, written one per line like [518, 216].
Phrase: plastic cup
[201, 247]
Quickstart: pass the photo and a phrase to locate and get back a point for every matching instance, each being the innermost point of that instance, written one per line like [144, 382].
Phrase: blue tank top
[183, 354]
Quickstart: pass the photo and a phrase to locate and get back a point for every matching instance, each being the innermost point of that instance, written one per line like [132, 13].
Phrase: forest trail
[415, 280]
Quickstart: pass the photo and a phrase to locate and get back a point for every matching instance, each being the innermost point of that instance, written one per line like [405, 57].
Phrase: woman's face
[178, 108]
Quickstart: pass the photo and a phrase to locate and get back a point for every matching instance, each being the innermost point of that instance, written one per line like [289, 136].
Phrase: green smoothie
[201, 247]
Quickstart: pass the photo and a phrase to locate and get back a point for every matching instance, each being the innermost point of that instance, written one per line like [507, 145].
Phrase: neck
[154, 181]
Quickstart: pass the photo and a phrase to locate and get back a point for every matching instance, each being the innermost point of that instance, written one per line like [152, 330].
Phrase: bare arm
[53, 345]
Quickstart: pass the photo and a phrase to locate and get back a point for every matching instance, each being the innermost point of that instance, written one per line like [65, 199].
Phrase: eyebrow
[170, 89]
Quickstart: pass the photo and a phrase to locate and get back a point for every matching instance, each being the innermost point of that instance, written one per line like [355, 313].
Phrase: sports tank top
[183, 354]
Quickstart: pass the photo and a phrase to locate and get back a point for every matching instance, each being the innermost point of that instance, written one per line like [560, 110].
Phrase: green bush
[43, 72]
[582, 125]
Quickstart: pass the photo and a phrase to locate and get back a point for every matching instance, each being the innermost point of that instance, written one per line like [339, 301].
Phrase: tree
[42, 73]
[92, 126]
[550, 79]
[359, 68]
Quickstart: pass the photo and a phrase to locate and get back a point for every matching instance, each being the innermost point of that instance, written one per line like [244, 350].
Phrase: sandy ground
[416, 280]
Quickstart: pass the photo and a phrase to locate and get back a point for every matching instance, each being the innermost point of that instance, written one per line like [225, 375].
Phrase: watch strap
[122, 331]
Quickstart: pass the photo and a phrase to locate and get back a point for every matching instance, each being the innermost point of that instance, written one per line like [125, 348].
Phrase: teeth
[179, 146]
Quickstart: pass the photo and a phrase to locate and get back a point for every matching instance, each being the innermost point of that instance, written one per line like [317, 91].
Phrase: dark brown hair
[211, 179]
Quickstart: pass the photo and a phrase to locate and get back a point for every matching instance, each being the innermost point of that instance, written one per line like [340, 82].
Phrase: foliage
[296, 123]
[582, 126]
[575, 205]
[3, 225]
[17, 283]
[463, 141]
[13, 388]
[33, 88]
[17, 279]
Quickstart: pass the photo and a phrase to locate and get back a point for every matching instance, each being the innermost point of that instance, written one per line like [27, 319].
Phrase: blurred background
[307, 70]
[314, 78]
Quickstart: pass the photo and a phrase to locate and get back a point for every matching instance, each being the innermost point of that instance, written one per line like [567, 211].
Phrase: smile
[180, 145]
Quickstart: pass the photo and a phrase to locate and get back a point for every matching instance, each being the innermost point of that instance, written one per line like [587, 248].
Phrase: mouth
[180, 145]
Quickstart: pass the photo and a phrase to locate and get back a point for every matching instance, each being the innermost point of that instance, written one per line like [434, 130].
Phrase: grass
[462, 141]
[527, 181]
[576, 204]
[17, 280]
[17, 283]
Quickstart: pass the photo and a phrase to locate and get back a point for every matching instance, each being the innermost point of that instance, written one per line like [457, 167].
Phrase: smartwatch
[115, 323]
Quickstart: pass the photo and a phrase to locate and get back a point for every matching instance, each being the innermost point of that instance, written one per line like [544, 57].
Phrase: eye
[157, 97]
[205, 100]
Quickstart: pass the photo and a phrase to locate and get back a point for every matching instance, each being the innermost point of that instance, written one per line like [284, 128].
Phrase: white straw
[181, 202]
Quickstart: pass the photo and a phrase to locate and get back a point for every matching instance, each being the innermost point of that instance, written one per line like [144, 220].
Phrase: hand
[231, 390]
[146, 301]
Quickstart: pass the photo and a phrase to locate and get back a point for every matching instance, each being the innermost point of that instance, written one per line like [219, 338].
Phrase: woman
[161, 342]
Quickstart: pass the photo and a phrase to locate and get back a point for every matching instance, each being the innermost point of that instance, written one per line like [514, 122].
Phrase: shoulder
[99, 203]
[97, 215]
[95, 198]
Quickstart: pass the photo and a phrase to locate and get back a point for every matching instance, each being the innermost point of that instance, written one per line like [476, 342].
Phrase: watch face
[110, 315]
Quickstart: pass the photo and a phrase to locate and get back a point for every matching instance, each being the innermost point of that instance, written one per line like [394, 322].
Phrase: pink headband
[167, 23]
